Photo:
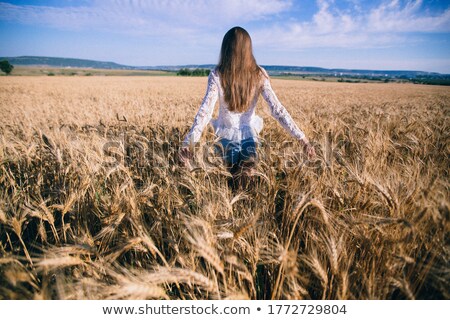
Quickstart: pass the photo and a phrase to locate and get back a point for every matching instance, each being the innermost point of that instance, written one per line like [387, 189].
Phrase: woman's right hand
[308, 149]
[185, 156]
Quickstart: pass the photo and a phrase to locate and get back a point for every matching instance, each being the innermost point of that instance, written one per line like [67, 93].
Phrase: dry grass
[368, 219]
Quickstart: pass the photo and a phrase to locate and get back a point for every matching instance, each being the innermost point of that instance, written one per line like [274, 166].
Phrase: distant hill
[272, 69]
[295, 70]
[317, 70]
[63, 62]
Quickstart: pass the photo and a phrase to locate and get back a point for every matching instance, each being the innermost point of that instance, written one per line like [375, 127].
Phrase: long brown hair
[240, 75]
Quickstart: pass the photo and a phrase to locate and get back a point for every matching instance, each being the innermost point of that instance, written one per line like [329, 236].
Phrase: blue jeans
[234, 153]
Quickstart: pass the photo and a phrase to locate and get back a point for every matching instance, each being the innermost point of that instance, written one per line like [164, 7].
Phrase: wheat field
[94, 203]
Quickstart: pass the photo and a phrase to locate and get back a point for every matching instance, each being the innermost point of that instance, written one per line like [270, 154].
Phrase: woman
[237, 82]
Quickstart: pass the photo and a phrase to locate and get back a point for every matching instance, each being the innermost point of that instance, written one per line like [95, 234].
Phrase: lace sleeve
[278, 111]
[205, 112]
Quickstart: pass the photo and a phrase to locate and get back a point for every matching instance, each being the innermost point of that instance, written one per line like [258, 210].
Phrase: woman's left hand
[308, 149]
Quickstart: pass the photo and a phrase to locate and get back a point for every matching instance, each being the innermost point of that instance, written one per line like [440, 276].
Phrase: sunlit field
[95, 205]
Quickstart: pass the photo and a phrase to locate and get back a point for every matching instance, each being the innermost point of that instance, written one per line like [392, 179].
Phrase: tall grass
[94, 205]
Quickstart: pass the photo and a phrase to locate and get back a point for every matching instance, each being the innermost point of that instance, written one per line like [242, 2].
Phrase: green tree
[196, 72]
[184, 72]
[6, 67]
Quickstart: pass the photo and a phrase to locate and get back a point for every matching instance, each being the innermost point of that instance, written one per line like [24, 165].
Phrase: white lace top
[237, 126]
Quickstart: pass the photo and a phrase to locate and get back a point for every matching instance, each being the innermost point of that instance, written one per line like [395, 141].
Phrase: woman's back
[235, 125]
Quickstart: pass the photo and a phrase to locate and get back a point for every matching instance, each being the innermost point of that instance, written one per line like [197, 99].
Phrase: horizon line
[205, 64]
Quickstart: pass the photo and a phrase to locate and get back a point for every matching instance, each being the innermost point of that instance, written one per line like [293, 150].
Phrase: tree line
[196, 72]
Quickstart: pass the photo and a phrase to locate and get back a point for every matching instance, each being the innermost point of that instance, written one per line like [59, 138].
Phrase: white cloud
[152, 17]
[388, 24]
[190, 28]
[203, 20]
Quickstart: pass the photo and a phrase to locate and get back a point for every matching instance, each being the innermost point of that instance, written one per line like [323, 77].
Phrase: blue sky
[379, 34]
